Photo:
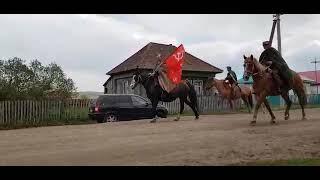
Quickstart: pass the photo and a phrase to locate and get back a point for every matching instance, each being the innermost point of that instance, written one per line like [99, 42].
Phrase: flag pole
[163, 61]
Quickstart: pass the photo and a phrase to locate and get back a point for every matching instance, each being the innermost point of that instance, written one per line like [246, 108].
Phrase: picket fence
[36, 112]
[206, 104]
[312, 99]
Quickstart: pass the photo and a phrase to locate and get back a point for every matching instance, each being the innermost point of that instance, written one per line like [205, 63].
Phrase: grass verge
[288, 162]
[46, 123]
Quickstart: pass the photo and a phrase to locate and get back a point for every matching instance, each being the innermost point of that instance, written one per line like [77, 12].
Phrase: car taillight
[96, 109]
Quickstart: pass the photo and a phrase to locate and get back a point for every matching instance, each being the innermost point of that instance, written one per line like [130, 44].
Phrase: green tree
[83, 96]
[34, 81]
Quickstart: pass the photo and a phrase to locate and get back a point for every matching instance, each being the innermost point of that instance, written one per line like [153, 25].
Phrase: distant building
[311, 75]
[194, 69]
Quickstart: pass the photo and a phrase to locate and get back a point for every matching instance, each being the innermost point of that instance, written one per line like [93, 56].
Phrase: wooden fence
[206, 104]
[38, 112]
[312, 99]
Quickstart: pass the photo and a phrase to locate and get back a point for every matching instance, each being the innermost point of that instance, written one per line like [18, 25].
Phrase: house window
[126, 87]
[198, 84]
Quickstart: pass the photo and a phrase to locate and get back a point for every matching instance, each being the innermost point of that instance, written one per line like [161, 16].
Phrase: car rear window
[105, 100]
[123, 100]
[114, 100]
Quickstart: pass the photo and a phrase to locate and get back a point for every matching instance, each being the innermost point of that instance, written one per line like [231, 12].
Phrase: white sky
[88, 46]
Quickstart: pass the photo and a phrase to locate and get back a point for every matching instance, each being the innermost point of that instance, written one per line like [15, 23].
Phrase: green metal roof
[242, 81]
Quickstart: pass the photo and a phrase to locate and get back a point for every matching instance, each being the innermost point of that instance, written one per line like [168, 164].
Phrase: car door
[126, 109]
[142, 107]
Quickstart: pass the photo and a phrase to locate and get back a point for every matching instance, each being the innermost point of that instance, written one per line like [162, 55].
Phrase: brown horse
[264, 85]
[226, 91]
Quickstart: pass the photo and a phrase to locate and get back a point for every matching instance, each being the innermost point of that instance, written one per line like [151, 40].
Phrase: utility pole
[315, 71]
[272, 30]
[276, 22]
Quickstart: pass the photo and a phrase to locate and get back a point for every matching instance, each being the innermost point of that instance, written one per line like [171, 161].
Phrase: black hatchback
[119, 107]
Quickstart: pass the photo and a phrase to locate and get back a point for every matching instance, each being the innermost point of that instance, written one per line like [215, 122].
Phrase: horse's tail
[193, 95]
[298, 88]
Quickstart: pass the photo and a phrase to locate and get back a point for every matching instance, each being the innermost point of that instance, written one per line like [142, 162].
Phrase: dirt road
[212, 140]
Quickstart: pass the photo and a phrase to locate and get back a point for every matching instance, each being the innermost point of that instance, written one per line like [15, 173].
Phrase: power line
[315, 72]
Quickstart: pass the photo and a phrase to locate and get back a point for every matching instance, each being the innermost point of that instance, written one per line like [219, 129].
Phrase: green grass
[289, 162]
[47, 123]
[70, 116]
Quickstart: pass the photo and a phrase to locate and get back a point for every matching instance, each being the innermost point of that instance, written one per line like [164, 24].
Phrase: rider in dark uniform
[232, 78]
[280, 70]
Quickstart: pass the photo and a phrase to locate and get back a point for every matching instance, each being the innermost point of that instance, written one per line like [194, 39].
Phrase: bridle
[139, 79]
[250, 73]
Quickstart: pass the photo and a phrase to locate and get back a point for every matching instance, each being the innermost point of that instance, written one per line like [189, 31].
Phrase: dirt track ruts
[212, 140]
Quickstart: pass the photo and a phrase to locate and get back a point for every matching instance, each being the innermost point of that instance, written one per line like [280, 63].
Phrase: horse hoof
[253, 123]
[196, 118]
[273, 122]
[286, 118]
[153, 121]
[176, 119]
[304, 118]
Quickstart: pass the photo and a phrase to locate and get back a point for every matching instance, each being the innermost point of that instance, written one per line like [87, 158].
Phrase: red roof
[311, 75]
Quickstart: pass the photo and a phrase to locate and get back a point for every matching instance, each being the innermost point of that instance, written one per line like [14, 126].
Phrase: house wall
[313, 89]
[119, 84]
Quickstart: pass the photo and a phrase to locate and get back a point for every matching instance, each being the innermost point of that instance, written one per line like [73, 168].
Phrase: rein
[260, 73]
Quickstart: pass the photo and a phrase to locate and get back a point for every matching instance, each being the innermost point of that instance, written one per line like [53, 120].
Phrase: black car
[119, 107]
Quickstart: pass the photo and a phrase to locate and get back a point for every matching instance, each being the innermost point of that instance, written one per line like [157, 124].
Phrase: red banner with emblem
[174, 64]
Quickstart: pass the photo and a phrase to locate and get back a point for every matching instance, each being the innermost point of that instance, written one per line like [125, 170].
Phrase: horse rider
[280, 70]
[232, 79]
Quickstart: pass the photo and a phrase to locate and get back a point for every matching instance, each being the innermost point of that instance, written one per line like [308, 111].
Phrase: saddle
[164, 94]
[233, 87]
[274, 75]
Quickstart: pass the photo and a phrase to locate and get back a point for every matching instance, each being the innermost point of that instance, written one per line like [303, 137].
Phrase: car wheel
[110, 117]
[161, 114]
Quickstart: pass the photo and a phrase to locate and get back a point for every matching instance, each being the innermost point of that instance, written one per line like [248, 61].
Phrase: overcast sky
[88, 46]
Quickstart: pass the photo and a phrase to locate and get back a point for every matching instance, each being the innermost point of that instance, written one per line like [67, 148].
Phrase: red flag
[174, 64]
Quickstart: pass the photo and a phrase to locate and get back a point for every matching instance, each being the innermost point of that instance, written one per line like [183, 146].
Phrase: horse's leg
[286, 98]
[248, 104]
[302, 102]
[193, 107]
[246, 101]
[266, 103]
[231, 104]
[259, 100]
[302, 108]
[154, 110]
[181, 109]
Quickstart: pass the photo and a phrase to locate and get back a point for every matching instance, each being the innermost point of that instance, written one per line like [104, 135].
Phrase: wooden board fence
[37, 112]
[206, 104]
[27, 112]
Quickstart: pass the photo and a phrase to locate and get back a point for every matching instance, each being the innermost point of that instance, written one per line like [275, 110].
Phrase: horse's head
[210, 83]
[136, 78]
[248, 67]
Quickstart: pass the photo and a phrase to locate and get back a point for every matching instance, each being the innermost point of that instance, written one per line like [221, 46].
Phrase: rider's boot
[278, 80]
